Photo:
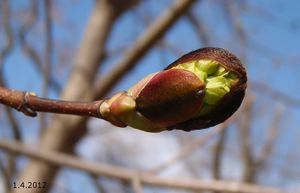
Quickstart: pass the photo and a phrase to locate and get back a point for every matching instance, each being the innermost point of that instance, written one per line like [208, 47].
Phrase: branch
[29, 103]
[186, 150]
[64, 131]
[48, 53]
[4, 52]
[5, 9]
[218, 151]
[5, 176]
[275, 94]
[60, 159]
[272, 135]
[245, 140]
[198, 26]
[142, 45]
[33, 53]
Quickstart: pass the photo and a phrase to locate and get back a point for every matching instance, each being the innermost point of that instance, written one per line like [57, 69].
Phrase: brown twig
[60, 159]
[29, 104]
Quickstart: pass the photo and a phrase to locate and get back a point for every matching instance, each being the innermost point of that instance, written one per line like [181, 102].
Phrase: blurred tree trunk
[64, 131]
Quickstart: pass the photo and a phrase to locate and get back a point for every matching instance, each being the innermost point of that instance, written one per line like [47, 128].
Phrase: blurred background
[88, 50]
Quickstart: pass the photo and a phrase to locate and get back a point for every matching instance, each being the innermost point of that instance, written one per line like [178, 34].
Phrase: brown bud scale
[170, 97]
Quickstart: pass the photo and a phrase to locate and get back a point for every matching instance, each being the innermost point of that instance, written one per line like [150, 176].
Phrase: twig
[48, 52]
[217, 155]
[5, 176]
[275, 94]
[267, 148]
[97, 184]
[246, 148]
[49, 46]
[60, 159]
[234, 17]
[136, 184]
[29, 103]
[6, 17]
[29, 50]
[5, 9]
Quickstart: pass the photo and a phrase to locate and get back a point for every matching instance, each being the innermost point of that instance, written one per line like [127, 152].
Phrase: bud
[199, 90]
[225, 79]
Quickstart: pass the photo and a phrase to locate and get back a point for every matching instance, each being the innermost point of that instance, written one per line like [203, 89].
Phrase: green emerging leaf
[218, 81]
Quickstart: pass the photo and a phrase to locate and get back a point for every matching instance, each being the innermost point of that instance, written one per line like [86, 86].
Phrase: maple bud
[199, 90]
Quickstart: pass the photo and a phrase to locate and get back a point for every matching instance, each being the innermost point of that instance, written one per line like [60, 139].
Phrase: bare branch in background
[234, 17]
[48, 53]
[186, 150]
[136, 184]
[275, 94]
[272, 135]
[3, 55]
[97, 184]
[217, 154]
[60, 159]
[30, 51]
[86, 62]
[199, 28]
[245, 140]
[5, 176]
[165, 44]
[252, 164]
[4, 52]
[142, 45]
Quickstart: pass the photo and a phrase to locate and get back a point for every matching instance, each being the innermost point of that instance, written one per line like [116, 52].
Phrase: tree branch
[64, 131]
[275, 94]
[29, 103]
[4, 52]
[142, 45]
[245, 140]
[60, 159]
[186, 150]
